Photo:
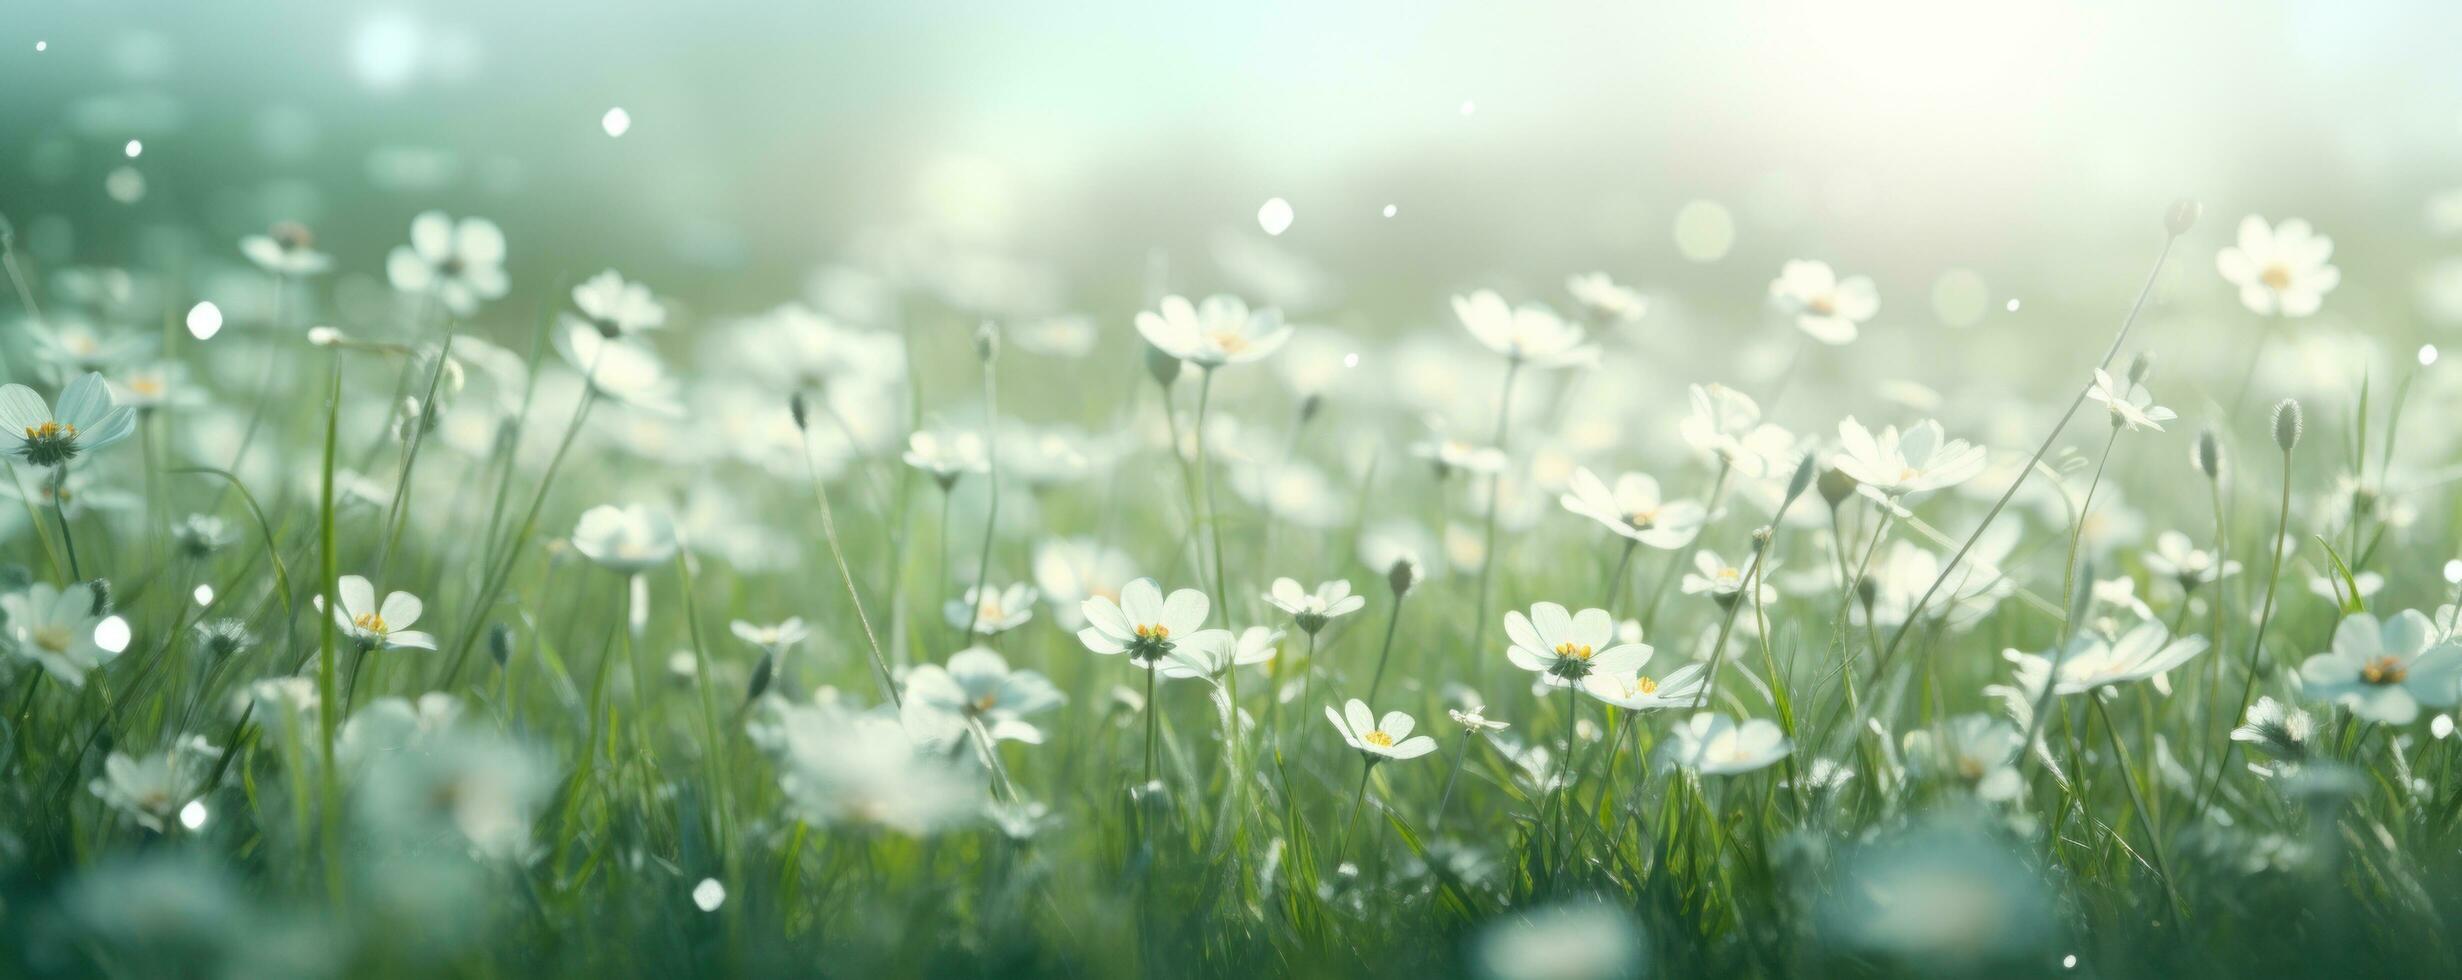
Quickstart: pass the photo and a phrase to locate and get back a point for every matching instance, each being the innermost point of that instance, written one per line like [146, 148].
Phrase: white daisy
[1381, 738]
[1563, 647]
[461, 264]
[1634, 509]
[1824, 306]
[2279, 269]
[1221, 330]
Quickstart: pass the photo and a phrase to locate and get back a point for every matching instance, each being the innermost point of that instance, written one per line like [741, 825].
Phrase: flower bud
[2139, 367]
[2182, 216]
[1802, 479]
[761, 674]
[1164, 367]
[1836, 486]
[102, 596]
[500, 643]
[801, 412]
[2208, 454]
[2287, 424]
[987, 341]
[1403, 575]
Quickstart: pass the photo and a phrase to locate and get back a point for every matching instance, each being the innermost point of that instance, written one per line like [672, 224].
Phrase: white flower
[76, 346]
[1725, 425]
[2279, 269]
[625, 539]
[55, 628]
[992, 611]
[1823, 305]
[1385, 738]
[1211, 652]
[1601, 294]
[2384, 672]
[946, 456]
[619, 370]
[1634, 690]
[2175, 557]
[977, 687]
[1311, 610]
[1219, 331]
[773, 638]
[1975, 750]
[460, 264]
[2092, 661]
[1071, 570]
[1634, 509]
[1474, 719]
[1714, 745]
[1893, 463]
[1563, 647]
[1714, 577]
[86, 420]
[1142, 624]
[838, 766]
[1532, 334]
[286, 250]
[2330, 586]
[2279, 730]
[1452, 454]
[2130, 403]
[615, 307]
[378, 627]
[151, 789]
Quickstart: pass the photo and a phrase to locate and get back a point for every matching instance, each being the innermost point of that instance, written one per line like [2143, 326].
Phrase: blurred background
[1055, 158]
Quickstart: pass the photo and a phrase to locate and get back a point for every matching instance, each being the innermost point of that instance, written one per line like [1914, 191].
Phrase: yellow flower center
[986, 702]
[1824, 305]
[1229, 341]
[51, 430]
[2276, 277]
[147, 386]
[53, 638]
[1154, 632]
[370, 622]
[1576, 651]
[1643, 684]
[1642, 518]
[1378, 739]
[2384, 670]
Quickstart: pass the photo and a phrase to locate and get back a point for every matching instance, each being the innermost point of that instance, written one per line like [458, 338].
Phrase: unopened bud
[987, 341]
[102, 596]
[796, 407]
[1164, 367]
[500, 643]
[1802, 479]
[2182, 216]
[2139, 367]
[2287, 424]
[1403, 575]
[1836, 486]
[1309, 406]
[2208, 454]
[761, 674]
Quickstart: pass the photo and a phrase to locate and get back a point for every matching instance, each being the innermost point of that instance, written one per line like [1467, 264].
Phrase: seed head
[796, 407]
[761, 674]
[1837, 486]
[1403, 575]
[2287, 424]
[500, 643]
[2139, 367]
[987, 341]
[1164, 367]
[102, 596]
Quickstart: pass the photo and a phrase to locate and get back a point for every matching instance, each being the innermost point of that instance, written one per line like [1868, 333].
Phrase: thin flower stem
[1445, 798]
[1151, 720]
[2154, 834]
[1385, 652]
[991, 516]
[846, 576]
[2256, 647]
[1342, 849]
[2077, 533]
[59, 512]
[1914, 613]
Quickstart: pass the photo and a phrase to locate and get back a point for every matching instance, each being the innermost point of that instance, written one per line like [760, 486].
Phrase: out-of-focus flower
[1312, 610]
[1633, 509]
[151, 788]
[1824, 306]
[976, 688]
[1221, 330]
[1716, 745]
[1894, 463]
[460, 263]
[616, 308]
[991, 611]
[1531, 334]
[287, 249]
[1601, 295]
[2092, 661]
[55, 628]
[2279, 269]
[862, 769]
[1976, 751]
[1215, 652]
[626, 539]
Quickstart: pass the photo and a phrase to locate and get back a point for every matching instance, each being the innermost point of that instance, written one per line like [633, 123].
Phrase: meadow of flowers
[396, 583]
